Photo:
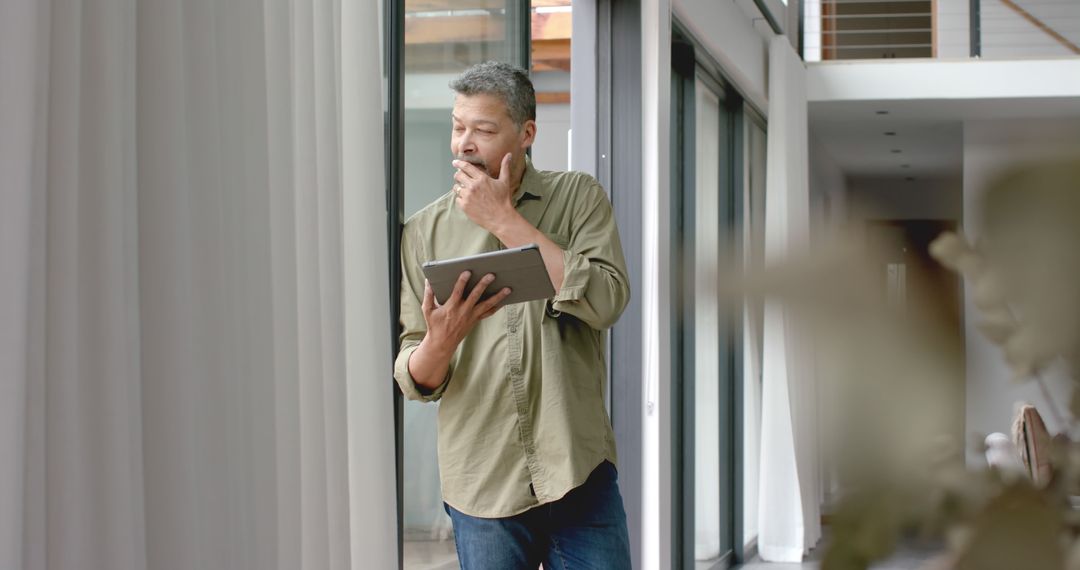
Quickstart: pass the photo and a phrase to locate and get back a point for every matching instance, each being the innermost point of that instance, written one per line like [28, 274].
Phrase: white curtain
[194, 349]
[789, 502]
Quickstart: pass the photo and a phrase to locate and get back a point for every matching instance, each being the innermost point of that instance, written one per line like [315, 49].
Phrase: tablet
[520, 268]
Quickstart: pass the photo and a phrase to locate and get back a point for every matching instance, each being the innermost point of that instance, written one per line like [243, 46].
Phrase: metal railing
[876, 29]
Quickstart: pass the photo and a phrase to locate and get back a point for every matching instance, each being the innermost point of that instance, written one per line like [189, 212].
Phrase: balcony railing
[877, 29]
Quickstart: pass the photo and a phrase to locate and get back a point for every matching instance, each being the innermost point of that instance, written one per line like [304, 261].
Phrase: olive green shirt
[521, 414]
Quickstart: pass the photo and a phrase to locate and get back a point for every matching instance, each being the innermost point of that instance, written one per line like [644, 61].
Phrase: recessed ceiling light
[882, 112]
[890, 133]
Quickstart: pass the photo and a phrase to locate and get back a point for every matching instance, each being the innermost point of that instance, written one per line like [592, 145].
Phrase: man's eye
[459, 129]
[486, 132]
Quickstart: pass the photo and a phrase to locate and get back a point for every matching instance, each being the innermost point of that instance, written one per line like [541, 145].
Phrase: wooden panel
[454, 29]
[828, 9]
[872, 29]
[557, 25]
[448, 5]
[549, 55]
[552, 97]
[458, 5]
[477, 28]
[550, 31]
[934, 27]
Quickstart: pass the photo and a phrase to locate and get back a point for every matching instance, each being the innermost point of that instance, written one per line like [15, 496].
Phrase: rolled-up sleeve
[595, 286]
[413, 326]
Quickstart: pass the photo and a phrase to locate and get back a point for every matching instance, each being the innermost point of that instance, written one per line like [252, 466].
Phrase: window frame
[518, 14]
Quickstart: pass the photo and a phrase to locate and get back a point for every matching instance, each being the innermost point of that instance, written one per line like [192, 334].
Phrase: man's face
[482, 132]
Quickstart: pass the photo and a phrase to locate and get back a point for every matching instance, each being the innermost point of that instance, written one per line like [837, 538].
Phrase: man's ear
[528, 134]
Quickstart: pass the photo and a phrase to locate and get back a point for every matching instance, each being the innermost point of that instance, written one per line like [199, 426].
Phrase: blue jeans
[585, 530]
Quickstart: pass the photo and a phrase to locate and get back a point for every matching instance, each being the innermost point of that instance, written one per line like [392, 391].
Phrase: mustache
[475, 161]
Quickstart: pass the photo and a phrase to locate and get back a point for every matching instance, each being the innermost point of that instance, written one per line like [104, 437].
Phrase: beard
[475, 161]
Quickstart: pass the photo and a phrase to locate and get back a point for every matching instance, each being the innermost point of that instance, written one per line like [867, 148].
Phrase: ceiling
[927, 136]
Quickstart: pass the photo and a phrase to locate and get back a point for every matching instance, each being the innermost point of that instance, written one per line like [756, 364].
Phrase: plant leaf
[1018, 529]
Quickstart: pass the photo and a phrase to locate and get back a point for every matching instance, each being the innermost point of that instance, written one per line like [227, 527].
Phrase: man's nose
[465, 143]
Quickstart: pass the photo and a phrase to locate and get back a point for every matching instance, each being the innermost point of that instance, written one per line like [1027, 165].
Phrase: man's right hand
[447, 325]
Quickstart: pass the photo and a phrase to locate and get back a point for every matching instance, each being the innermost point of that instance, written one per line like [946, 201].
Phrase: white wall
[551, 149]
[894, 80]
[1007, 34]
[953, 19]
[828, 189]
[549, 152]
[990, 146]
[812, 39]
[730, 37]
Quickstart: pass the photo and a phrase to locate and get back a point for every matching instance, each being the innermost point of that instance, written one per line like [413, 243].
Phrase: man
[526, 451]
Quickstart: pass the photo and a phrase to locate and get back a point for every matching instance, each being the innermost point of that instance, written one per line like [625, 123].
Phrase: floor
[429, 554]
[910, 557]
[440, 555]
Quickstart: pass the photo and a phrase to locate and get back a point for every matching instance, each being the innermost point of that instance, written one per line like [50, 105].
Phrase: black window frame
[519, 13]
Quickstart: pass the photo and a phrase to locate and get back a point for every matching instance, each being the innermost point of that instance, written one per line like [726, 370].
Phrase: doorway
[915, 284]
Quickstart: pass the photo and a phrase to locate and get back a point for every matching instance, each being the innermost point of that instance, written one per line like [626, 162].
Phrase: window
[432, 42]
[706, 208]
[753, 235]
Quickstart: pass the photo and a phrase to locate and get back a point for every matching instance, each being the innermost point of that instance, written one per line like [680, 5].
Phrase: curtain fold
[21, 26]
[789, 508]
[193, 304]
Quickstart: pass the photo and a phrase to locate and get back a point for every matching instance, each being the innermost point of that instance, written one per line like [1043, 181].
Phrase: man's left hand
[485, 200]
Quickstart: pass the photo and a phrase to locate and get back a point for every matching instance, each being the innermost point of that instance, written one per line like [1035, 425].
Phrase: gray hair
[507, 82]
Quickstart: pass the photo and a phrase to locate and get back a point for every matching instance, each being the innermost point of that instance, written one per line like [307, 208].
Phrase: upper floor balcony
[947, 29]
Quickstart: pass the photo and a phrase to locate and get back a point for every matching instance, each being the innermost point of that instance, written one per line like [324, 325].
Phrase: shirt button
[513, 329]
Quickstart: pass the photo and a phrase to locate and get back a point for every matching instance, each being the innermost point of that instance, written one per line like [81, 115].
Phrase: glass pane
[758, 150]
[707, 397]
[442, 38]
[551, 31]
[753, 319]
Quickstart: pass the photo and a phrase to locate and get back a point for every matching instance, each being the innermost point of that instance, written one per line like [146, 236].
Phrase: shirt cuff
[575, 281]
[409, 388]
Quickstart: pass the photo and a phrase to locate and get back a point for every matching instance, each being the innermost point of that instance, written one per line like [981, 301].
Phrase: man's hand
[447, 325]
[485, 200]
[450, 323]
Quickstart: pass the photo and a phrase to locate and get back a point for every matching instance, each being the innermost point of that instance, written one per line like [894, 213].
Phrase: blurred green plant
[900, 480]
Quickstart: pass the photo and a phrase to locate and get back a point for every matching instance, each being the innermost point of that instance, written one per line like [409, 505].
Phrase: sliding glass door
[440, 39]
[707, 355]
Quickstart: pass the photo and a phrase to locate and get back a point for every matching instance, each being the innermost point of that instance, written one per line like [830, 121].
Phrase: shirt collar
[529, 189]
